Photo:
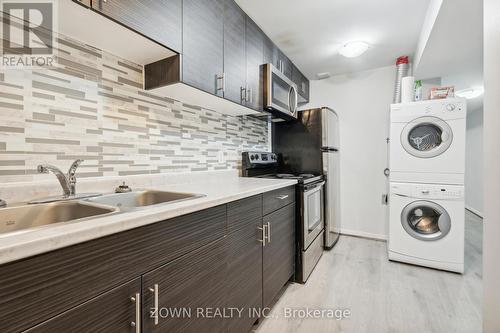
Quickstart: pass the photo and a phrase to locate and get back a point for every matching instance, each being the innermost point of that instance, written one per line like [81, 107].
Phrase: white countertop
[218, 190]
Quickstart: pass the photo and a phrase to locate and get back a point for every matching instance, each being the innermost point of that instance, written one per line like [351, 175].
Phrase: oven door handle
[311, 187]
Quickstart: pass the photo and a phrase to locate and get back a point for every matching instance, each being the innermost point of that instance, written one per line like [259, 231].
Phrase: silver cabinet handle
[243, 93]
[137, 323]
[268, 232]
[263, 240]
[282, 197]
[221, 78]
[155, 291]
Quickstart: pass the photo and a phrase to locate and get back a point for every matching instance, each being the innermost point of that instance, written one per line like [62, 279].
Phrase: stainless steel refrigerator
[311, 145]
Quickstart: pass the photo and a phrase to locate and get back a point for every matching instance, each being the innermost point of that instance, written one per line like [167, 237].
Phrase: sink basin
[30, 216]
[137, 199]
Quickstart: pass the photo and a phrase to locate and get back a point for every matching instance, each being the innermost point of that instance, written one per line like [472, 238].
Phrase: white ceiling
[311, 32]
[454, 49]
[455, 43]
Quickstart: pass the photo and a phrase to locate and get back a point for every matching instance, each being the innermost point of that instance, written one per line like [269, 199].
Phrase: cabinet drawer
[111, 312]
[276, 199]
[37, 288]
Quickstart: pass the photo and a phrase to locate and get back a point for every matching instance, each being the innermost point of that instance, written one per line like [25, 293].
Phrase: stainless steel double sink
[36, 215]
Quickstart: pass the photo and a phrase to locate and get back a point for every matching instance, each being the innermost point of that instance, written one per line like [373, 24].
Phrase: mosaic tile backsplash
[91, 106]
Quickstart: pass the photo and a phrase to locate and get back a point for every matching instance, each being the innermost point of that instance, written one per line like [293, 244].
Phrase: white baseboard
[363, 234]
[475, 211]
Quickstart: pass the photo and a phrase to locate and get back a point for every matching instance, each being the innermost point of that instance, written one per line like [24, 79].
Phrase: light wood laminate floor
[385, 296]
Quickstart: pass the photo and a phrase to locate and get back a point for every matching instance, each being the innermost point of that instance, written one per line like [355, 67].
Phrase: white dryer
[426, 225]
[427, 141]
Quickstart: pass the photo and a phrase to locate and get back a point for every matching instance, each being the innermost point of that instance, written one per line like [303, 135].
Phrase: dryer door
[426, 137]
[425, 220]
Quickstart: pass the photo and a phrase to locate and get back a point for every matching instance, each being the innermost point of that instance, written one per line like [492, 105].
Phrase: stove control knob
[252, 157]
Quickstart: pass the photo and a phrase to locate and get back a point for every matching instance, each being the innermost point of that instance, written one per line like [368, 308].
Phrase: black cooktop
[266, 165]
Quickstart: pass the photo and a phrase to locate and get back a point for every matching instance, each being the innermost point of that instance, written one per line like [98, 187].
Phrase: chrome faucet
[68, 182]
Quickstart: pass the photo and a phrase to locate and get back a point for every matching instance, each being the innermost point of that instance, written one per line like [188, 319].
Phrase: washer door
[426, 137]
[425, 220]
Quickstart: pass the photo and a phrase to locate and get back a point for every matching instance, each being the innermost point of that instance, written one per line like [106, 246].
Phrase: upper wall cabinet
[254, 60]
[273, 55]
[234, 52]
[160, 21]
[302, 84]
[218, 50]
[203, 45]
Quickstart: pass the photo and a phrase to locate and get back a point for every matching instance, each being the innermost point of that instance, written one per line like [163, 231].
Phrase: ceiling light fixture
[353, 49]
[470, 93]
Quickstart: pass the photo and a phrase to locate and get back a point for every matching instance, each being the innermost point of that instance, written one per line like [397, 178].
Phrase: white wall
[474, 162]
[362, 101]
[491, 239]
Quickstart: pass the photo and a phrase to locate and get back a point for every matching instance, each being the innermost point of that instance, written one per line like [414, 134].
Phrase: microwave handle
[292, 93]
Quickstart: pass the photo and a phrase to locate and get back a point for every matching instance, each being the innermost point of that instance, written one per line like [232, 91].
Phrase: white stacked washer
[427, 166]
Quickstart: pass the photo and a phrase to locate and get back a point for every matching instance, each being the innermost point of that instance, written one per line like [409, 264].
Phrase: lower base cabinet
[209, 271]
[279, 253]
[113, 312]
[244, 278]
[186, 292]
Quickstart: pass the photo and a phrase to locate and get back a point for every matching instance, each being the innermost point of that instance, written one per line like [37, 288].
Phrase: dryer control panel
[449, 108]
[426, 191]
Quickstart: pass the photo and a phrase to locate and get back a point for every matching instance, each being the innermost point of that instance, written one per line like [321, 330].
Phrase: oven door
[280, 93]
[313, 212]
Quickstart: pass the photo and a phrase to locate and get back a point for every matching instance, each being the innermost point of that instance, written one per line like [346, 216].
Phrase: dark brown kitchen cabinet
[244, 276]
[203, 45]
[284, 63]
[193, 285]
[160, 21]
[302, 84]
[273, 55]
[116, 311]
[234, 52]
[279, 252]
[254, 61]
[35, 289]
[189, 267]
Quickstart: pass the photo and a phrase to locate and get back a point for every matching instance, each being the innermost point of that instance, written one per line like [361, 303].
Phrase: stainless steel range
[310, 208]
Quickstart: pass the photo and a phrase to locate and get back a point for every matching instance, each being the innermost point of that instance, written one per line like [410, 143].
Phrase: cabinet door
[302, 84]
[273, 55]
[203, 42]
[183, 288]
[269, 49]
[113, 311]
[160, 21]
[279, 252]
[234, 52]
[255, 60]
[286, 64]
[244, 279]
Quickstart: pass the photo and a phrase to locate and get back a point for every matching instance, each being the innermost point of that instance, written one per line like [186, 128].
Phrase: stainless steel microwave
[280, 93]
